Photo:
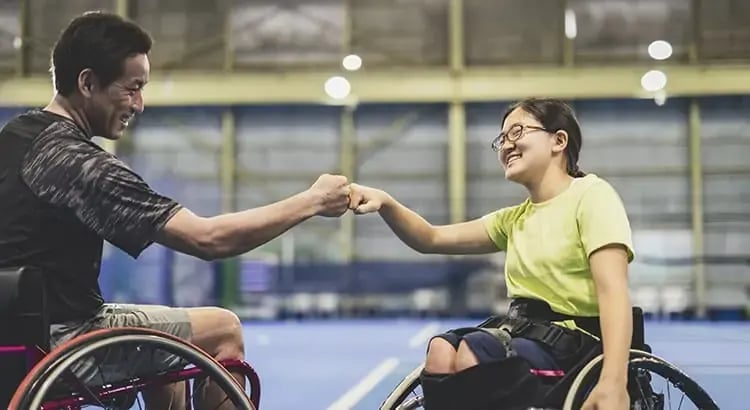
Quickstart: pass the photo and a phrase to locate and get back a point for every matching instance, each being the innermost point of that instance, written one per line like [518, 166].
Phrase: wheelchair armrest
[24, 319]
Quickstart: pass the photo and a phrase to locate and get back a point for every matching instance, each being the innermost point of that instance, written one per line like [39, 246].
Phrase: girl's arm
[609, 266]
[462, 238]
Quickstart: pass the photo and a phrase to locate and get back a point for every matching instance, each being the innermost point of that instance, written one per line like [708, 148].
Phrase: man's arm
[79, 178]
[236, 233]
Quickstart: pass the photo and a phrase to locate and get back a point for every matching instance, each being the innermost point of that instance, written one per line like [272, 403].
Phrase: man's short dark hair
[99, 41]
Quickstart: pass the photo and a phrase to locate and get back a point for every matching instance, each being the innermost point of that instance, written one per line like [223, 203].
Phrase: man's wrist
[313, 202]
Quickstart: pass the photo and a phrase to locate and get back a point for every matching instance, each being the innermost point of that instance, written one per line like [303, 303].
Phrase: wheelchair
[84, 371]
[569, 390]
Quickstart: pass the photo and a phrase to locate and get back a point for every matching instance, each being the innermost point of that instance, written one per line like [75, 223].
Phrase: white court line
[431, 329]
[359, 391]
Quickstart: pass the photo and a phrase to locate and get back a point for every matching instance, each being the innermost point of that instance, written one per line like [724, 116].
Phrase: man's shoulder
[62, 151]
[27, 125]
[35, 124]
[65, 142]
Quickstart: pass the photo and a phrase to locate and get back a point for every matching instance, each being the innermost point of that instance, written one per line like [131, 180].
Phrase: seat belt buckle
[553, 335]
[519, 326]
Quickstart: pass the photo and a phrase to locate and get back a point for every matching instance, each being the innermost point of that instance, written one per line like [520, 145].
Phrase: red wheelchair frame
[24, 348]
[38, 360]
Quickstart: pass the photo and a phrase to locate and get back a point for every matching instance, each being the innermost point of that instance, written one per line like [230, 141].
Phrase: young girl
[567, 245]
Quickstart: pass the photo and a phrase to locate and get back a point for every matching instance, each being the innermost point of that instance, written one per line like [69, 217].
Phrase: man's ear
[87, 82]
[561, 141]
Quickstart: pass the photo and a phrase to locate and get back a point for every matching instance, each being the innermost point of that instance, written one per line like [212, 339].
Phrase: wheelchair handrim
[62, 354]
[403, 389]
[650, 362]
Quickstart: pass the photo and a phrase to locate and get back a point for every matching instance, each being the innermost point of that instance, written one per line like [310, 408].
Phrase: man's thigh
[174, 321]
[121, 362]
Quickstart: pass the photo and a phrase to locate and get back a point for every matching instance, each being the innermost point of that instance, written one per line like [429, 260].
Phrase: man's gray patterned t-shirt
[61, 196]
[70, 172]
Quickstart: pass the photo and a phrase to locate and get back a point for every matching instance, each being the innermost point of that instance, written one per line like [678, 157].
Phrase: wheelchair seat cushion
[502, 384]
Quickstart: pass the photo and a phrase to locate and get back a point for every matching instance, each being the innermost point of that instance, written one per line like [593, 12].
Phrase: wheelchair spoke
[417, 401]
[643, 393]
[95, 383]
[645, 390]
[222, 403]
[87, 393]
[669, 396]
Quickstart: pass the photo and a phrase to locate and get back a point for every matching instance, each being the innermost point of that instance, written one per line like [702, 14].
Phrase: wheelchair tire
[34, 387]
[639, 360]
[397, 400]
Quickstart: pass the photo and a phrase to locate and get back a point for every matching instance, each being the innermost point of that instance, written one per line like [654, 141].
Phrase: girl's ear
[561, 141]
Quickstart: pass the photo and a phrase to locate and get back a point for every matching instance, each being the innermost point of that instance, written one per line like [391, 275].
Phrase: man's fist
[331, 195]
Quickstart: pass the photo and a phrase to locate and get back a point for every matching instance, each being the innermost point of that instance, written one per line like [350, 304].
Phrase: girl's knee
[479, 347]
[465, 357]
[440, 356]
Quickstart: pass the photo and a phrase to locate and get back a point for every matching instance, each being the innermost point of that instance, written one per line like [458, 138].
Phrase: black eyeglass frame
[516, 132]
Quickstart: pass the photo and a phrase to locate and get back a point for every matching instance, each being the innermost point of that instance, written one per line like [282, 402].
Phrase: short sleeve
[77, 177]
[497, 226]
[602, 220]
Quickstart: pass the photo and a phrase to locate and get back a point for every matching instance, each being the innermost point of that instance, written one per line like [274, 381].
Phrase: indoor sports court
[249, 111]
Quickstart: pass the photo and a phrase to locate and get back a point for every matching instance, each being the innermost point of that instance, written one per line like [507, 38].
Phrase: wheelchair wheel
[650, 380]
[407, 395]
[111, 368]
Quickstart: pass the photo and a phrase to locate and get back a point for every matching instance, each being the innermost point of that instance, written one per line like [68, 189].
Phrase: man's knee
[231, 321]
[233, 325]
[219, 331]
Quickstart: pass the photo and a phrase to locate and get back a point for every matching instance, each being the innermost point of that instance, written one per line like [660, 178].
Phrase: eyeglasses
[513, 134]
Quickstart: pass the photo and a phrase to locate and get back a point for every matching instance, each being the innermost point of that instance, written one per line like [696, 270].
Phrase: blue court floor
[353, 364]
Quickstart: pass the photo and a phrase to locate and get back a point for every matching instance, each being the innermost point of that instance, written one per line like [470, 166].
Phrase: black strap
[531, 319]
[539, 311]
[558, 338]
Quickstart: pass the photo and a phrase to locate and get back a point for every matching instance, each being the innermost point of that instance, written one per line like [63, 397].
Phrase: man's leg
[170, 397]
[218, 332]
[119, 363]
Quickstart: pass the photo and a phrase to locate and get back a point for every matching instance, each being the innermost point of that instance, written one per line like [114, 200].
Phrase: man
[61, 195]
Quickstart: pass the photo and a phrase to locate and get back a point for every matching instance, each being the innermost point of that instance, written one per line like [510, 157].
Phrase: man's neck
[62, 106]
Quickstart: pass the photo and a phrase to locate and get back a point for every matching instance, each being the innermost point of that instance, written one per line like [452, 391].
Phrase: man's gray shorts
[116, 364]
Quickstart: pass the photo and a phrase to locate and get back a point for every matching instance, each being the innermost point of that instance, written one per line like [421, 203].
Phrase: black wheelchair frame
[570, 391]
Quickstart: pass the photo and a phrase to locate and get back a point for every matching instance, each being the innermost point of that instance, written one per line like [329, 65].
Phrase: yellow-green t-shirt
[548, 244]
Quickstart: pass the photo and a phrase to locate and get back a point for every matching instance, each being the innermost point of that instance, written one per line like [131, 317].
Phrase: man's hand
[607, 396]
[331, 195]
[365, 200]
